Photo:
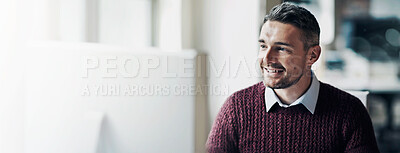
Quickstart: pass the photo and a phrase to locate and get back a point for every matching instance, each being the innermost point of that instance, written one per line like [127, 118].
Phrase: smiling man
[290, 110]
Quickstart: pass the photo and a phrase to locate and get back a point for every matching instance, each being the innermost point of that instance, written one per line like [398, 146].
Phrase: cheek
[261, 54]
[294, 64]
[260, 61]
[260, 57]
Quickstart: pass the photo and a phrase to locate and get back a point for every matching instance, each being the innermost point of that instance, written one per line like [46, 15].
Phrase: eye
[263, 46]
[281, 49]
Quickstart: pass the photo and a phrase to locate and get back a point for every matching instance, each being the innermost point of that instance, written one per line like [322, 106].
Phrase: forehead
[276, 31]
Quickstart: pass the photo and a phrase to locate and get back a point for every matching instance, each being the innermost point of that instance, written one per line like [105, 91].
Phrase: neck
[292, 93]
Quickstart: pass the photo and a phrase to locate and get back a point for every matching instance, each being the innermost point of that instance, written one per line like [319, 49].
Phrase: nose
[267, 55]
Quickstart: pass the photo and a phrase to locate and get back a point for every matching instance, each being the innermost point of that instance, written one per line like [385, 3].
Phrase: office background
[45, 43]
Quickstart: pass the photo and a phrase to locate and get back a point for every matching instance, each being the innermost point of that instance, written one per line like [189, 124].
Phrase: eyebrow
[282, 43]
[277, 43]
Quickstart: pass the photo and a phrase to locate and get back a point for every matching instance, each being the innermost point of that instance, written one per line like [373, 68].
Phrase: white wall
[227, 29]
[11, 92]
[125, 22]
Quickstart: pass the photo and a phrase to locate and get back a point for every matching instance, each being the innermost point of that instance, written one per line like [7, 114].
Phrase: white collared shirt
[309, 99]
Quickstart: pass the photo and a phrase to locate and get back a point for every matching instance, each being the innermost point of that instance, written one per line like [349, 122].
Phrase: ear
[313, 55]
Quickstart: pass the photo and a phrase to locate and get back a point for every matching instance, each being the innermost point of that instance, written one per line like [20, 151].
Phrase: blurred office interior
[364, 54]
[43, 41]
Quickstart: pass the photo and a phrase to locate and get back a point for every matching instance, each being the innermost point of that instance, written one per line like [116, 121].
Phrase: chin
[270, 84]
[280, 83]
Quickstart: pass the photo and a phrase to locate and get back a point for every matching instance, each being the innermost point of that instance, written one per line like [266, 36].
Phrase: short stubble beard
[284, 83]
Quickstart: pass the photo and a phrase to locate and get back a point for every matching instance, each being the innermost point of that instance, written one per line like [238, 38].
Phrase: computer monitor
[86, 97]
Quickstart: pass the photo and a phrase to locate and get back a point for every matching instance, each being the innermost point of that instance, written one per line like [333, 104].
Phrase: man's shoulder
[339, 97]
[242, 98]
[251, 91]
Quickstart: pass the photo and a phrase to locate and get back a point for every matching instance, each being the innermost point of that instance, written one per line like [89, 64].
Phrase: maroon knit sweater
[340, 123]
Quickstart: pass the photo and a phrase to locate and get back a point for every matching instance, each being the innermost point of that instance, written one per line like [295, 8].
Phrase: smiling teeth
[274, 71]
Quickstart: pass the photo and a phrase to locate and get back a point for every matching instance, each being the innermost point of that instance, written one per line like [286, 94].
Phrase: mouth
[274, 70]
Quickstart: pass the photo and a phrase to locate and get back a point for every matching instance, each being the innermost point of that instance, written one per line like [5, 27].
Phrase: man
[290, 110]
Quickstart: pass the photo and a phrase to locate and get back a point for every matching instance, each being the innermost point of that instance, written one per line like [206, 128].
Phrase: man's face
[281, 56]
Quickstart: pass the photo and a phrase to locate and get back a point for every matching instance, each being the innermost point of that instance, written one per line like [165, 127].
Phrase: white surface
[91, 127]
[55, 107]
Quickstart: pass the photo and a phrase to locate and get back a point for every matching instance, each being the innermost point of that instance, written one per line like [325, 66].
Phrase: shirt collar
[308, 99]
